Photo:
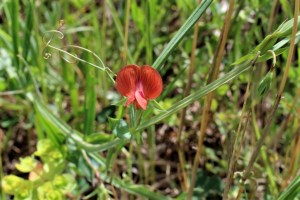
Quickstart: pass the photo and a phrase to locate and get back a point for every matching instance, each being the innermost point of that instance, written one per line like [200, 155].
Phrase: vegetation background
[225, 127]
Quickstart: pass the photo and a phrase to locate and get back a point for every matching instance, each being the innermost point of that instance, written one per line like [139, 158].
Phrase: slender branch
[273, 15]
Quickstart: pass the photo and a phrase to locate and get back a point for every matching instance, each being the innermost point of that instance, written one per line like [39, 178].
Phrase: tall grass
[58, 62]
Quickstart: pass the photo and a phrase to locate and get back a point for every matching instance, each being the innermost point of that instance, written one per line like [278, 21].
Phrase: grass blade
[28, 28]
[15, 29]
[68, 132]
[118, 25]
[89, 101]
[292, 191]
[181, 33]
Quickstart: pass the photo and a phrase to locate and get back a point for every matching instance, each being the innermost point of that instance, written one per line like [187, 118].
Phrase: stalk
[182, 114]
[124, 54]
[213, 76]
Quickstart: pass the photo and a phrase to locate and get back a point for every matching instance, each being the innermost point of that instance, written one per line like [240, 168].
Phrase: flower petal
[130, 100]
[141, 101]
[126, 80]
[151, 82]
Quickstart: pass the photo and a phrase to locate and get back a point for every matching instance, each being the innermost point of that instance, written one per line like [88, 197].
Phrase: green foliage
[26, 164]
[57, 81]
[292, 191]
[46, 180]
[264, 85]
[209, 187]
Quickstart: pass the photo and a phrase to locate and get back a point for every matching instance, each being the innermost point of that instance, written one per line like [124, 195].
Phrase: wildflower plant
[76, 160]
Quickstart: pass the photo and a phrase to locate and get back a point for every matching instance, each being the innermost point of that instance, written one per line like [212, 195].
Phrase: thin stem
[90, 164]
[103, 32]
[242, 139]
[273, 15]
[292, 161]
[12, 92]
[213, 76]
[236, 148]
[15, 31]
[263, 153]
[182, 114]
[149, 29]
[140, 162]
[278, 98]
[124, 54]
[284, 124]
[243, 135]
[151, 142]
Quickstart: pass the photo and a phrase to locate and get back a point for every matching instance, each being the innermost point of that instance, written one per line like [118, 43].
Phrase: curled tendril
[47, 55]
[65, 54]
[54, 33]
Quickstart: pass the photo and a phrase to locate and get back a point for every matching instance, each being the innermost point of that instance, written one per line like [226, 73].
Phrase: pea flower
[139, 84]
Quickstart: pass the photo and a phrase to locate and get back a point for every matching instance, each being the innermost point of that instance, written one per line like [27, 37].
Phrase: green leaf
[284, 42]
[67, 131]
[285, 28]
[65, 183]
[89, 101]
[26, 164]
[209, 187]
[264, 86]
[48, 152]
[14, 6]
[119, 127]
[11, 183]
[47, 192]
[292, 191]
[20, 188]
[28, 27]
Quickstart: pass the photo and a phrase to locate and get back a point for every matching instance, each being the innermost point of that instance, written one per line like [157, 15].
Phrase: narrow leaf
[181, 33]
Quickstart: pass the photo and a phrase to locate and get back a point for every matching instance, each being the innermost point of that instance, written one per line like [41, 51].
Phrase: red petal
[151, 81]
[140, 99]
[126, 80]
[130, 100]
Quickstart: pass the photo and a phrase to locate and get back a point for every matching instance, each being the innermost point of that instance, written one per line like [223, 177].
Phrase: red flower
[139, 84]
